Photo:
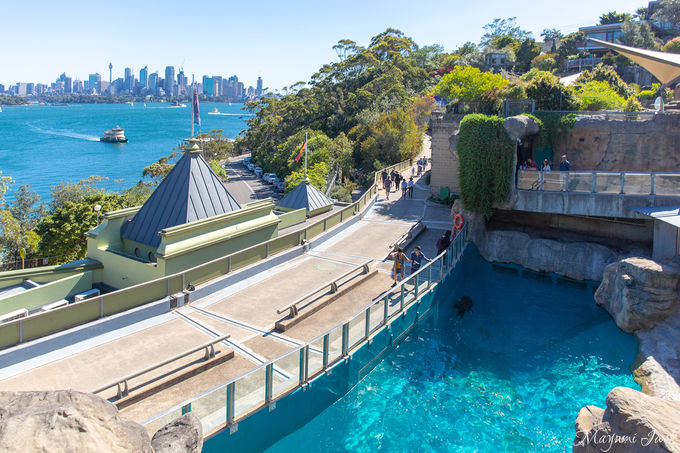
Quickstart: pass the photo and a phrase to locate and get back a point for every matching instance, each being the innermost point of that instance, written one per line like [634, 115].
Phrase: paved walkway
[247, 313]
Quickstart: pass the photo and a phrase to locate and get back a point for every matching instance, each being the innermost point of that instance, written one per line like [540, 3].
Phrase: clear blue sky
[283, 41]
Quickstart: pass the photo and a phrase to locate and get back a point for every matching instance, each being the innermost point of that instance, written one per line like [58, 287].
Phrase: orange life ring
[458, 221]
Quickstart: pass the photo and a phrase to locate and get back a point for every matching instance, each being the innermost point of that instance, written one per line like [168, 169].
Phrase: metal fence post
[101, 307]
[230, 402]
[416, 278]
[345, 339]
[401, 297]
[594, 183]
[540, 181]
[368, 322]
[386, 308]
[326, 346]
[266, 250]
[429, 276]
[623, 183]
[304, 364]
[228, 264]
[651, 184]
[268, 382]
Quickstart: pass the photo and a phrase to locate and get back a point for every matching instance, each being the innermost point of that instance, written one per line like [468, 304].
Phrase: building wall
[444, 158]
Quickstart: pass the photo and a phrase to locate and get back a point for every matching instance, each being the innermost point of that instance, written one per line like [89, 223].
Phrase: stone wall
[648, 145]
[444, 157]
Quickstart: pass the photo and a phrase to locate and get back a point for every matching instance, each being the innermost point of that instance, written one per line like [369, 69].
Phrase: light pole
[97, 208]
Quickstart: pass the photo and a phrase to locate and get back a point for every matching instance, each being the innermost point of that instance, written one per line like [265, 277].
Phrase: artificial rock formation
[631, 422]
[639, 293]
[520, 127]
[576, 260]
[73, 422]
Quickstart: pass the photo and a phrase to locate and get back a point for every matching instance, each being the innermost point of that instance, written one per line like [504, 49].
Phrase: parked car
[251, 167]
[258, 172]
[269, 178]
[280, 186]
[246, 161]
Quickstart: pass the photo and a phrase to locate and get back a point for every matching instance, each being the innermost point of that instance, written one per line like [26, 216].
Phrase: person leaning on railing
[399, 265]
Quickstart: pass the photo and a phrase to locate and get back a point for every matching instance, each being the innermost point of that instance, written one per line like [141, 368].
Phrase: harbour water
[45, 145]
[510, 375]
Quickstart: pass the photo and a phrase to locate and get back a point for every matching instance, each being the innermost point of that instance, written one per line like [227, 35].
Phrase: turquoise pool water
[510, 375]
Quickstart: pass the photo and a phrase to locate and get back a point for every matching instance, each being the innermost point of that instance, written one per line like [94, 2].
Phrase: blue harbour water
[509, 376]
[45, 145]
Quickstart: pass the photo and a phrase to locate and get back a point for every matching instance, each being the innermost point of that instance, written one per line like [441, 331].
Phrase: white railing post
[230, 402]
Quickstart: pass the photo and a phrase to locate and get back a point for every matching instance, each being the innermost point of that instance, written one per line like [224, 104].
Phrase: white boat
[115, 135]
[0, 109]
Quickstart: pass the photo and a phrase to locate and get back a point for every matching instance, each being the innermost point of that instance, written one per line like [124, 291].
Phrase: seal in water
[463, 305]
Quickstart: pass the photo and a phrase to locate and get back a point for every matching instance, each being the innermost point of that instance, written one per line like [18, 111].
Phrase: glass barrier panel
[163, 420]
[552, 181]
[377, 314]
[608, 183]
[315, 358]
[409, 289]
[249, 391]
[357, 329]
[286, 372]
[211, 409]
[667, 184]
[580, 182]
[637, 184]
[528, 180]
[335, 344]
[393, 304]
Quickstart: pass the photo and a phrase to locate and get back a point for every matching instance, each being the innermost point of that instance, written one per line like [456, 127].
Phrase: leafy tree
[316, 173]
[549, 93]
[160, 169]
[18, 219]
[526, 52]
[639, 34]
[544, 62]
[668, 11]
[613, 17]
[569, 46]
[468, 84]
[597, 95]
[552, 34]
[641, 13]
[672, 46]
[215, 146]
[604, 73]
[501, 31]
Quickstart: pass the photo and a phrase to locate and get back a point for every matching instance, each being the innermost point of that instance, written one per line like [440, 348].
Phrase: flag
[194, 106]
[299, 154]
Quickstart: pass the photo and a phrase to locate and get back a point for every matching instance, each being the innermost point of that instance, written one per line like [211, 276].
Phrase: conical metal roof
[305, 195]
[190, 192]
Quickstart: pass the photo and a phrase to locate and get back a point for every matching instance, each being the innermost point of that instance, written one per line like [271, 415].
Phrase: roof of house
[305, 195]
[190, 192]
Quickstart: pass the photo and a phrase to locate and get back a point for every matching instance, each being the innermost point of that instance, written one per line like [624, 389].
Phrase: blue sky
[283, 41]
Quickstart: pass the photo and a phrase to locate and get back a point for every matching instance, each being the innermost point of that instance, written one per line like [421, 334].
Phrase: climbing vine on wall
[553, 127]
[485, 156]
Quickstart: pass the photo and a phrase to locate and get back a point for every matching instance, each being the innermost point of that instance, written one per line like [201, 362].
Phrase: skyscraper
[95, 82]
[217, 86]
[169, 80]
[68, 85]
[128, 81]
[258, 90]
[144, 77]
[181, 83]
[153, 83]
[208, 87]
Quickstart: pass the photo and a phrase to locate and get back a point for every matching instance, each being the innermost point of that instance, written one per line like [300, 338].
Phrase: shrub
[632, 105]
[468, 84]
[597, 95]
[672, 46]
[549, 93]
[485, 154]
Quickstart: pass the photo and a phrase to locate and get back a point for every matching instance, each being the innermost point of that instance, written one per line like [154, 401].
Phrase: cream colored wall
[444, 171]
[45, 294]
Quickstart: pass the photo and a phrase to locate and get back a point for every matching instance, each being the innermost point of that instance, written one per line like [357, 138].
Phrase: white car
[258, 171]
[269, 178]
[251, 167]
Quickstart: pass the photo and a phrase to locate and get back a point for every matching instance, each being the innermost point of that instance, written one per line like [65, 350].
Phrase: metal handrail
[406, 234]
[333, 287]
[209, 353]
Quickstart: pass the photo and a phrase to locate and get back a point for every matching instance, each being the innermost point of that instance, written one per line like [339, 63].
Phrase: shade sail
[664, 66]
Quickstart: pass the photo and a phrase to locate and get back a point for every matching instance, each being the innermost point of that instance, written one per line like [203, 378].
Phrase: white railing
[229, 402]
[602, 182]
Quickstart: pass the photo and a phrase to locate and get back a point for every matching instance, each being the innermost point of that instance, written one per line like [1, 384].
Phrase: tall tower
[110, 68]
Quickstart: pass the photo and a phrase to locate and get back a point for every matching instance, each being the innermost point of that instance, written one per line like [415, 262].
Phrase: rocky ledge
[75, 422]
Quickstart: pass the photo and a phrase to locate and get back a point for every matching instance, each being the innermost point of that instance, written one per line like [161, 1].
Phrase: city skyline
[283, 43]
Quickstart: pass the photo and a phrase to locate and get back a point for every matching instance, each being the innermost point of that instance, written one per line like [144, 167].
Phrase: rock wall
[73, 422]
[595, 143]
[444, 171]
[576, 260]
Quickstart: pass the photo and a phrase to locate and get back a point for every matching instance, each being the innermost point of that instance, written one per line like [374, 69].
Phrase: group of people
[396, 180]
[529, 164]
[417, 257]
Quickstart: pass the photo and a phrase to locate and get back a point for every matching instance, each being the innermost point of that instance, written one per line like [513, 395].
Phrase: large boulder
[577, 260]
[182, 435]
[66, 421]
[520, 127]
[632, 422]
[639, 293]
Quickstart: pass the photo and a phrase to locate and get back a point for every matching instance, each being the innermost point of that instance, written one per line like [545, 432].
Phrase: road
[244, 186]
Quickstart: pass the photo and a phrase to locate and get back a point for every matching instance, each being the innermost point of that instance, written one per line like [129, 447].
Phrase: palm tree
[553, 34]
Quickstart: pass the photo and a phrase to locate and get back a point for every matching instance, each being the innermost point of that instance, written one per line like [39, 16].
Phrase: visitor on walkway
[410, 188]
[384, 177]
[564, 163]
[404, 188]
[399, 264]
[388, 183]
[397, 180]
[546, 166]
[443, 242]
[531, 165]
[417, 258]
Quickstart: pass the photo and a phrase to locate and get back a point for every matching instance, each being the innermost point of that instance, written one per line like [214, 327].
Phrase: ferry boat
[177, 104]
[115, 135]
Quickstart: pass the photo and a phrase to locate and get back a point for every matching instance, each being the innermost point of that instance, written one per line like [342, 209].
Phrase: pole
[193, 93]
[305, 155]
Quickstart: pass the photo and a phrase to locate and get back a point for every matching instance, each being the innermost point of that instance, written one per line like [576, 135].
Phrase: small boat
[214, 112]
[115, 135]
[132, 104]
[0, 109]
[177, 104]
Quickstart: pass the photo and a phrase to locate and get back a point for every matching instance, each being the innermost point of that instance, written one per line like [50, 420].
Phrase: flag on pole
[194, 106]
[299, 154]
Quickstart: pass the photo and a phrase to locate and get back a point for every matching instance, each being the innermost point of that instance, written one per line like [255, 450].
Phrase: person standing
[399, 265]
[388, 183]
[443, 242]
[546, 166]
[417, 258]
[565, 165]
[404, 188]
[410, 188]
[384, 177]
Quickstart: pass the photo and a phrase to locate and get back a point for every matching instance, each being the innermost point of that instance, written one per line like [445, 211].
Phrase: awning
[667, 214]
[664, 66]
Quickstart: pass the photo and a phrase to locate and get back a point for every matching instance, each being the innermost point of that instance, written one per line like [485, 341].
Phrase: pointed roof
[305, 195]
[190, 192]
[664, 66]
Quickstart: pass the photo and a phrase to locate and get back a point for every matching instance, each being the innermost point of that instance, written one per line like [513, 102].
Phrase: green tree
[160, 169]
[672, 46]
[668, 11]
[613, 17]
[18, 220]
[316, 173]
[604, 73]
[639, 34]
[569, 45]
[526, 52]
[468, 84]
[549, 93]
[554, 35]
[597, 95]
[502, 31]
